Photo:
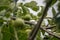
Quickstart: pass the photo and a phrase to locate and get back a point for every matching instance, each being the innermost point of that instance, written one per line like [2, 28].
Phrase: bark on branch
[37, 26]
[45, 29]
[53, 34]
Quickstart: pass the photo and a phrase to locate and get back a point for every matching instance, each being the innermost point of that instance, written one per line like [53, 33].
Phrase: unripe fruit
[27, 17]
[18, 23]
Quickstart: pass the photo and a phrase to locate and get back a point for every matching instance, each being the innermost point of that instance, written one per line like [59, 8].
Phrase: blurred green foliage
[9, 9]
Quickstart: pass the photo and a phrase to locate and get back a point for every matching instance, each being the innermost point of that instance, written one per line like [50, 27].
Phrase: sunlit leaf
[25, 10]
[32, 5]
[41, 12]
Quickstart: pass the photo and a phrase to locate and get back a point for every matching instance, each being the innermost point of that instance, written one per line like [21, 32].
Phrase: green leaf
[11, 29]
[35, 8]
[53, 12]
[3, 7]
[0, 33]
[53, 38]
[25, 10]
[57, 22]
[5, 2]
[53, 2]
[38, 37]
[6, 33]
[32, 5]
[22, 35]
[7, 15]
[51, 22]
[58, 7]
[41, 12]
[42, 8]
[1, 21]
[12, 5]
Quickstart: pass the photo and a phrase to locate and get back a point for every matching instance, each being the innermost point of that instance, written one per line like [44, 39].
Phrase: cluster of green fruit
[27, 17]
[18, 23]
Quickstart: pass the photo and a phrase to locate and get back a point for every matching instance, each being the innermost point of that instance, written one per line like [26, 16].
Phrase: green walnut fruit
[27, 17]
[18, 23]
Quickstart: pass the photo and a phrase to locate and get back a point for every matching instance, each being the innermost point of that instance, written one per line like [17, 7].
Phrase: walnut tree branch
[53, 34]
[37, 26]
[45, 29]
[30, 23]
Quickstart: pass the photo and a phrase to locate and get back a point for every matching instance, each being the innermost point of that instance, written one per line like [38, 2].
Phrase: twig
[53, 34]
[28, 22]
[15, 34]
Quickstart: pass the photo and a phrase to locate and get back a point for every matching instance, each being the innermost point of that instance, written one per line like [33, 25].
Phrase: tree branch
[45, 29]
[37, 26]
[28, 22]
[53, 34]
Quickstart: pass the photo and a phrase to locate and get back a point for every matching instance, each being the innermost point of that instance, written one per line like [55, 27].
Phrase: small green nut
[27, 17]
[18, 23]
